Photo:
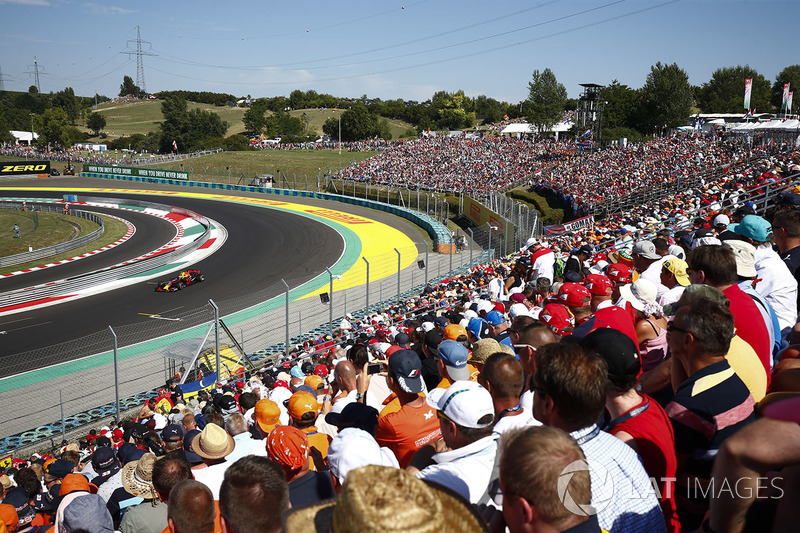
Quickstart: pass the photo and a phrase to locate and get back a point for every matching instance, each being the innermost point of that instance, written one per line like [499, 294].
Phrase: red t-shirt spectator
[652, 433]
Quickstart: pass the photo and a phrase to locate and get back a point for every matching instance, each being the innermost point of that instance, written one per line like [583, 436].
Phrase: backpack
[558, 267]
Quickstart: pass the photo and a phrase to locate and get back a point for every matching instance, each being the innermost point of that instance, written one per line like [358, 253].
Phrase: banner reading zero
[10, 168]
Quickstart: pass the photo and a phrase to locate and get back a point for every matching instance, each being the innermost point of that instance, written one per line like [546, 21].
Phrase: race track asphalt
[263, 246]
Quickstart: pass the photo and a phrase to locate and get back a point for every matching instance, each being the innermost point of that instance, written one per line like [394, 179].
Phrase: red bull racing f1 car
[187, 277]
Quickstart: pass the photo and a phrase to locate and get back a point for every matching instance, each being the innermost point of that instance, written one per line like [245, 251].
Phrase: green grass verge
[52, 229]
[298, 166]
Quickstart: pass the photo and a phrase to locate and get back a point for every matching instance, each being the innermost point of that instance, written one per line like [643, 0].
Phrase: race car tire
[201, 278]
[181, 285]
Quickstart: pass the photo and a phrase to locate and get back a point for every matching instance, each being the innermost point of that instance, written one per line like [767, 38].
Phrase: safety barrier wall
[56, 249]
[437, 231]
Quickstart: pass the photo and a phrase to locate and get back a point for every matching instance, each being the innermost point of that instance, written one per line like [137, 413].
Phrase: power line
[139, 53]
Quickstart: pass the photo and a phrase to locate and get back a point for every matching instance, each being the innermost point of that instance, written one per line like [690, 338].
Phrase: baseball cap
[678, 268]
[789, 198]
[619, 273]
[574, 295]
[104, 462]
[353, 448]
[190, 454]
[619, 352]
[586, 249]
[59, 468]
[530, 242]
[8, 516]
[354, 415]
[753, 227]
[722, 219]
[405, 367]
[314, 381]
[441, 321]
[478, 327]
[267, 415]
[172, 433]
[432, 339]
[228, 403]
[745, 255]
[645, 249]
[300, 403]
[321, 370]
[453, 332]
[454, 356]
[518, 310]
[466, 403]
[598, 285]
[558, 318]
[495, 317]
[402, 340]
[19, 498]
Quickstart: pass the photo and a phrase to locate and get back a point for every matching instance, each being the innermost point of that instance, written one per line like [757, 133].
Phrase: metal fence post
[216, 335]
[116, 374]
[330, 303]
[63, 423]
[287, 315]
[366, 306]
[426, 262]
[471, 240]
[452, 244]
[398, 274]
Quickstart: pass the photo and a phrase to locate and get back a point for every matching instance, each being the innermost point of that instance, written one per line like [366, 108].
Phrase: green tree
[67, 101]
[666, 98]
[96, 122]
[357, 124]
[255, 117]
[724, 92]
[451, 111]
[188, 129]
[620, 107]
[489, 109]
[790, 75]
[282, 123]
[51, 126]
[128, 87]
[546, 99]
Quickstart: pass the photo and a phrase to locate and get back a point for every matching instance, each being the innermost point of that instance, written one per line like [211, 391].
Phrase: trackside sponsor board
[141, 172]
[10, 168]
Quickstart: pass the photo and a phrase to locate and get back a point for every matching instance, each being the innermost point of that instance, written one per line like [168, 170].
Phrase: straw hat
[137, 477]
[213, 443]
[382, 498]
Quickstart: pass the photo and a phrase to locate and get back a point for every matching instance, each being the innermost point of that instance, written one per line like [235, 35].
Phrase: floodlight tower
[589, 114]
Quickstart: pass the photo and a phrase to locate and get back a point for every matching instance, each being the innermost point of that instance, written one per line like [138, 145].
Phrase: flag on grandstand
[537, 173]
[748, 87]
[785, 102]
[174, 146]
[749, 113]
[505, 117]
[587, 133]
[789, 102]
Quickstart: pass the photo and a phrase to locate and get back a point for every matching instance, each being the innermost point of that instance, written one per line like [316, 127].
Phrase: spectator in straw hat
[287, 446]
[253, 496]
[150, 516]
[191, 508]
[213, 445]
[373, 497]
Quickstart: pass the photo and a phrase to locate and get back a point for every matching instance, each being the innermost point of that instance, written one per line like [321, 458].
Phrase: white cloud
[106, 10]
[37, 3]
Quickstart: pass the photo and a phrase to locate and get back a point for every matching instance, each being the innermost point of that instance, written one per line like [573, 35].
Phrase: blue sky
[389, 48]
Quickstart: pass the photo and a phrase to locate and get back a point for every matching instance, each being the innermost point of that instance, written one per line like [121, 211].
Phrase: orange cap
[267, 415]
[314, 381]
[301, 403]
[453, 332]
[76, 482]
[288, 446]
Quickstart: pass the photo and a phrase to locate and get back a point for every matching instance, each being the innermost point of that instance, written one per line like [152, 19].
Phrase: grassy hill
[125, 119]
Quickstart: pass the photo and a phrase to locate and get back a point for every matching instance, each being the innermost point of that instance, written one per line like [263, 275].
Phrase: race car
[187, 277]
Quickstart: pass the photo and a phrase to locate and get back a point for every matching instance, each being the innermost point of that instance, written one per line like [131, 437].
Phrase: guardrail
[55, 249]
[113, 273]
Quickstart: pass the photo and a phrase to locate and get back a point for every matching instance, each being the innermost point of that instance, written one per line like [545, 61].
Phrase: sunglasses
[672, 327]
[520, 346]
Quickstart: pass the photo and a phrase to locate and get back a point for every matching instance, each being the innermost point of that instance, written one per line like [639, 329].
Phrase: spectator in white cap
[543, 261]
[353, 448]
[651, 326]
[466, 417]
[647, 261]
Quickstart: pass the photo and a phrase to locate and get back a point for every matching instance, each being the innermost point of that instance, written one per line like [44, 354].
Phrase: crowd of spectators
[642, 374]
